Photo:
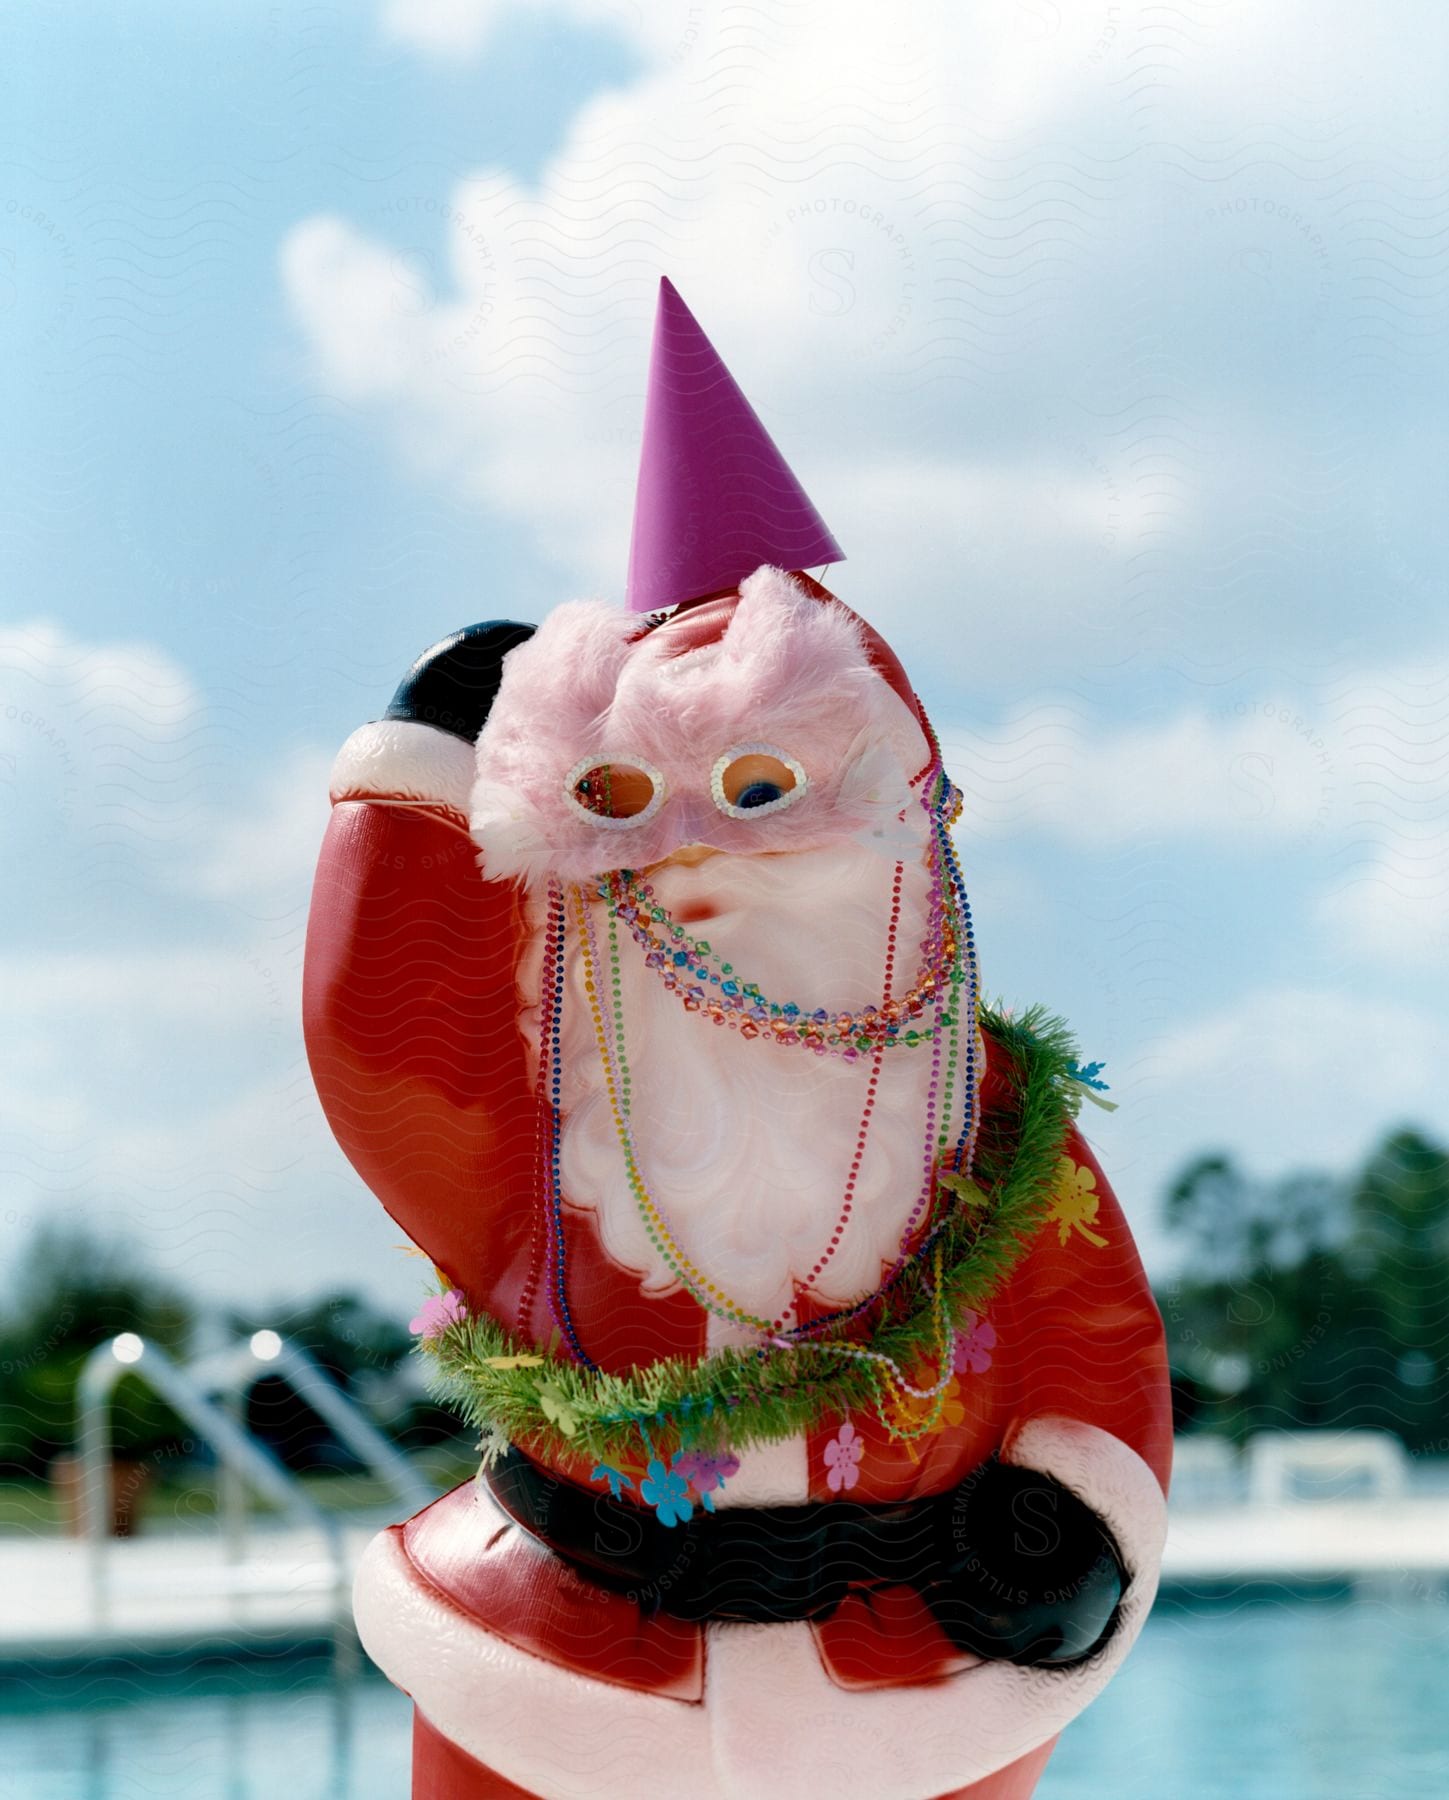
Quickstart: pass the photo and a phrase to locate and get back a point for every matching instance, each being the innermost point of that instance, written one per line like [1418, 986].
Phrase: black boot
[453, 685]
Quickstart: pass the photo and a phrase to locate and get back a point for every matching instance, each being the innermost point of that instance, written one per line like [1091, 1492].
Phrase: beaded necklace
[618, 1083]
[886, 1374]
[515, 1390]
[949, 921]
[777, 1387]
[682, 961]
[683, 964]
[550, 1085]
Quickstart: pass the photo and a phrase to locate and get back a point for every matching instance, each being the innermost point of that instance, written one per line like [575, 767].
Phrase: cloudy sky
[1109, 339]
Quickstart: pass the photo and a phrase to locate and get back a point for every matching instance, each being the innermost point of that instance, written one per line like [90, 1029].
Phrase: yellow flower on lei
[912, 1411]
[1075, 1201]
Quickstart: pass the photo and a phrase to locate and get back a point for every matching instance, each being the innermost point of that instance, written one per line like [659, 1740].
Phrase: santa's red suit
[527, 1676]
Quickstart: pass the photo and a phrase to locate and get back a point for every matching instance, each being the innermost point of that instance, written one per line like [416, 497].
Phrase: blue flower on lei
[1086, 1078]
[616, 1478]
[667, 1491]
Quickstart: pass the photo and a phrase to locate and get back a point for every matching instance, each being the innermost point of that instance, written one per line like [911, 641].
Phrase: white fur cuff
[773, 1725]
[403, 760]
[1113, 1480]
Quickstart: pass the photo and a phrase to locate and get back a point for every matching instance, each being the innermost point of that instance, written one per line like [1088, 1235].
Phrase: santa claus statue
[822, 1400]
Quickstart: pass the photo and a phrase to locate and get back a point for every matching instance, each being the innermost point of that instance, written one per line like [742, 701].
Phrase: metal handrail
[234, 1370]
[236, 1450]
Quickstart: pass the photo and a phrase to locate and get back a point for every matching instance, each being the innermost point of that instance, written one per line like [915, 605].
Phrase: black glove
[454, 684]
[1034, 1575]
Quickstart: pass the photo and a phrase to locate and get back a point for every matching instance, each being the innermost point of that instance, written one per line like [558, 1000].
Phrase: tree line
[1311, 1301]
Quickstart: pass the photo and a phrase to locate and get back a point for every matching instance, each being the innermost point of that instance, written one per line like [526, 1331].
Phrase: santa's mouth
[689, 909]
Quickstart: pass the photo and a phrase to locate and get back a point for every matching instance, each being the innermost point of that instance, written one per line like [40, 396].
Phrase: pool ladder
[209, 1395]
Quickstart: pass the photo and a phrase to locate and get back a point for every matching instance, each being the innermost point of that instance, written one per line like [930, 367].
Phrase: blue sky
[1108, 339]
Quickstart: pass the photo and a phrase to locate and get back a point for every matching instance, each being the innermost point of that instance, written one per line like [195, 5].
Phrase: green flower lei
[512, 1392]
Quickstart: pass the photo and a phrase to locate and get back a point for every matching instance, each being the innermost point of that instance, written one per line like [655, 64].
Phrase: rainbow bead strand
[949, 928]
[554, 976]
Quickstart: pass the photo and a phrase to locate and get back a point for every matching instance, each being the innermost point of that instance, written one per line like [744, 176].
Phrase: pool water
[1271, 1699]
[284, 1728]
[1274, 1699]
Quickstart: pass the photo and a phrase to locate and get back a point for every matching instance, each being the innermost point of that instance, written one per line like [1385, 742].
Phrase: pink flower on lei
[974, 1343]
[842, 1454]
[705, 1472]
[437, 1313]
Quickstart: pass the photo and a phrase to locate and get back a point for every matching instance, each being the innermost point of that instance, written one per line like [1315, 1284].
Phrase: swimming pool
[1283, 1698]
[1276, 1698]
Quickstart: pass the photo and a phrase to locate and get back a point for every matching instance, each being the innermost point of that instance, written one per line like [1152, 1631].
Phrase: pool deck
[177, 1593]
[1347, 1541]
[185, 1593]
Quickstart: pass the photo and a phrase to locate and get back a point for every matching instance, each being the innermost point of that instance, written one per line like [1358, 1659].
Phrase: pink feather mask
[588, 702]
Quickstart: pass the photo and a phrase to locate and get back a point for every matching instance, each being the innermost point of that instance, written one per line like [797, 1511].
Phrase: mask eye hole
[615, 792]
[753, 780]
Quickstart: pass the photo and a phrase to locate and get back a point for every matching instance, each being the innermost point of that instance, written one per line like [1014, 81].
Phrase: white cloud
[451, 29]
[1387, 901]
[76, 990]
[259, 848]
[164, 1090]
[339, 279]
[164, 1095]
[1320, 1055]
[240, 1194]
[108, 753]
[1246, 780]
[1285, 1078]
[136, 684]
[81, 724]
[114, 761]
[441, 28]
[1347, 778]
[831, 242]
[1392, 906]
[152, 1075]
[1014, 352]
[118, 1072]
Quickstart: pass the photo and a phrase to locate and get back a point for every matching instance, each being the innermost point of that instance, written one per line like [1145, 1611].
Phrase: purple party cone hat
[715, 499]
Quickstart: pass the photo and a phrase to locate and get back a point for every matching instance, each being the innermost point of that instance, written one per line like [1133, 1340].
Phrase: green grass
[175, 1502]
[29, 1506]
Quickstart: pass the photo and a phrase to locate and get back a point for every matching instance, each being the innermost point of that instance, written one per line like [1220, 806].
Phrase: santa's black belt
[1012, 1564]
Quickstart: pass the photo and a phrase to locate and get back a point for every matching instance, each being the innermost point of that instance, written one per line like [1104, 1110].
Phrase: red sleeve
[1090, 1337]
[410, 1010]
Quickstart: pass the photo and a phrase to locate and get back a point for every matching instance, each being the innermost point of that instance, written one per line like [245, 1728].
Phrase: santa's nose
[690, 856]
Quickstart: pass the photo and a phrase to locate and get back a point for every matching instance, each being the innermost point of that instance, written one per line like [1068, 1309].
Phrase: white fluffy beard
[746, 1146]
